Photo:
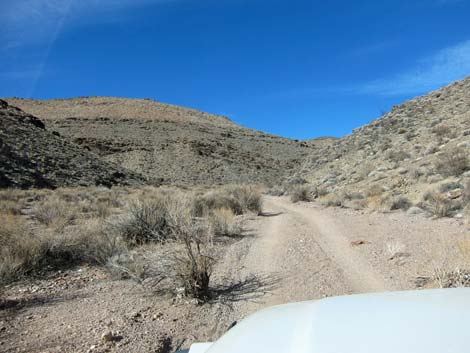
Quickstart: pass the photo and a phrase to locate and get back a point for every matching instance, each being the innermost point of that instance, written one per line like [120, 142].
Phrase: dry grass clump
[213, 200]
[92, 241]
[453, 162]
[146, 221]
[276, 191]
[238, 198]
[374, 190]
[452, 279]
[302, 193]
[21, 250]
[26, 252]
[225, 223]
[400, 203]
[439, 204]
[248, 196]
[11, 207]
[55, 212]
[333, 200]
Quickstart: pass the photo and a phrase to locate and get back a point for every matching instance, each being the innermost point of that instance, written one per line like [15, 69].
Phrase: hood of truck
[425, 321]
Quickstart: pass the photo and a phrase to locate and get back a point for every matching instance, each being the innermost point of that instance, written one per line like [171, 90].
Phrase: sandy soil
[293, 252]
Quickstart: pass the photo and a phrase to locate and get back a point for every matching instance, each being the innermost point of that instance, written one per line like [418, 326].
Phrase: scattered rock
[107, 336]
[414, 210]
[358, 242]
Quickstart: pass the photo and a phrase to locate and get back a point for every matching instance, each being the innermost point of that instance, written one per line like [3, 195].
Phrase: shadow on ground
[270, 214]
[250, 288]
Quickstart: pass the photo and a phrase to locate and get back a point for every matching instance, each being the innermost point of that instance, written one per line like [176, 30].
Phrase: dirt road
[310, 252]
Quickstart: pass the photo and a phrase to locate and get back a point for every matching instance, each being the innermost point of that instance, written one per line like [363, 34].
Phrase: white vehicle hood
[427, 321]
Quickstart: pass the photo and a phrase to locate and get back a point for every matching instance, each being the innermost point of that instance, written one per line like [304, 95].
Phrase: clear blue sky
[300, 69]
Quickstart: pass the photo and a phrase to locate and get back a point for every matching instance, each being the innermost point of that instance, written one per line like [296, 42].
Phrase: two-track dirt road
[308, 252]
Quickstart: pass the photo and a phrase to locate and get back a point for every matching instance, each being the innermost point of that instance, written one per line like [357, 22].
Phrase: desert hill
[33, 156]
[396, 161]
[171, 144]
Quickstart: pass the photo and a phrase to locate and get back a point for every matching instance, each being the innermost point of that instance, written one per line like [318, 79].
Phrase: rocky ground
[291, 252]
[420, 146]
[170, 144]
[33, 156]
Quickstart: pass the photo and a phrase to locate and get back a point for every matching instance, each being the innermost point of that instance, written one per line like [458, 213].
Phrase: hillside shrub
[397, 156]
[439, 204]
[466, 193]
[400, 203]
[453, 162]
[302, 193]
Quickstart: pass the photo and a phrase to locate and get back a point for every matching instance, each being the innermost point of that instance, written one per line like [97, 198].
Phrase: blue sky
[300, 69]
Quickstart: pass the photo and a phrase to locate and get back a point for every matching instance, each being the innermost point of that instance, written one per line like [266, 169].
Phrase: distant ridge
[171, 144]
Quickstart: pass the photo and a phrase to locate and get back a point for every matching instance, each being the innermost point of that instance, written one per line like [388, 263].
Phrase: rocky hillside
[32, 156]
[171, 144]
[409, 157]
